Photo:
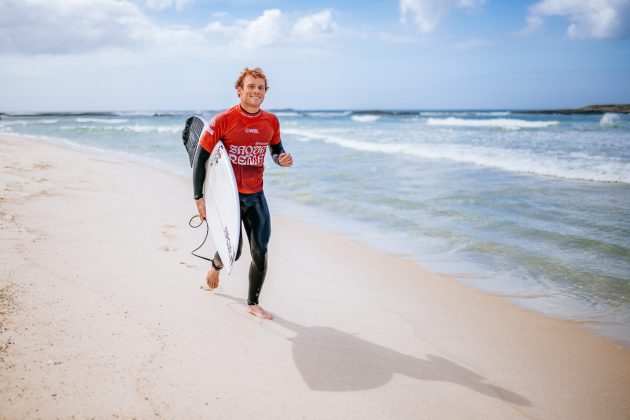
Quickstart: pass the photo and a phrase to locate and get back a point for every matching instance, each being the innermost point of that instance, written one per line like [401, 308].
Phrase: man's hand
[201, 208]
[285, 159]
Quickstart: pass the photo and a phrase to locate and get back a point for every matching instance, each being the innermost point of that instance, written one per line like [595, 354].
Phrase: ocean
[532, 207]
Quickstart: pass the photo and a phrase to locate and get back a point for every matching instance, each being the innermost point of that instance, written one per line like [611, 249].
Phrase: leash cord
[204, 239]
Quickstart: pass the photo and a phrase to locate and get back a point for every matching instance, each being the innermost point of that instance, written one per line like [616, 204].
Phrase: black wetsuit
[255, 218]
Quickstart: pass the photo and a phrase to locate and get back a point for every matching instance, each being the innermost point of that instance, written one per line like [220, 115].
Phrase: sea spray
[610, 119]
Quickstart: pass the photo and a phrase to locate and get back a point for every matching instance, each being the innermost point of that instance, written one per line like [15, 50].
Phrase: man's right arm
[199, 176]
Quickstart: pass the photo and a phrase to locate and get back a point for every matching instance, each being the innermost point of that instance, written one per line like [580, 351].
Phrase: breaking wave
[127, 128]
[365, 118]
[585, 168]
[504, 123]
[102, 120]
[610, 119]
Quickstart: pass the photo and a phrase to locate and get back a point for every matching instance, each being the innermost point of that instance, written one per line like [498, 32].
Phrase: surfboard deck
[220, 193]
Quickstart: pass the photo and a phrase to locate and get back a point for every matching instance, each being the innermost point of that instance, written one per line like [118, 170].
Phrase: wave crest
[610, 119]
[584, 168]
[504, 123]
[102, 120]
[126, 128]
[365, 118]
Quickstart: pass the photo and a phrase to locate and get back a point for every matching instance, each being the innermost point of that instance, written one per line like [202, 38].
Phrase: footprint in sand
[42, 165]
[188, 265]
[168, 236]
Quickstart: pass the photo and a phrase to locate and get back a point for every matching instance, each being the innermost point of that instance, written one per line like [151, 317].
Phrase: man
[246, 130]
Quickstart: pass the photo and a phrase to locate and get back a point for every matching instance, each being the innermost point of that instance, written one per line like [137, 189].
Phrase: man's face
[252, 93]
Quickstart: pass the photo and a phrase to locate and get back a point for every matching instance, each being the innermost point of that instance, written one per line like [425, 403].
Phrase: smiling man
[247, 131]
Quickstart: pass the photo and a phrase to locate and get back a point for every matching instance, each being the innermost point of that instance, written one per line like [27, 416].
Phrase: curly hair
[255, 72]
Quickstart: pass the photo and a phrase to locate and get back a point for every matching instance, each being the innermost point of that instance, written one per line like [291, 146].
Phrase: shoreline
[514, 294]
[102, 283]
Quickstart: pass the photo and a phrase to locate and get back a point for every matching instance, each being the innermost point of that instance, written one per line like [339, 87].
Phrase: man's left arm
[279, 156]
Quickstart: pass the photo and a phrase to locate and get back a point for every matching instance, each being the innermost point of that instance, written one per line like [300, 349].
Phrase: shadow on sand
[332, 360]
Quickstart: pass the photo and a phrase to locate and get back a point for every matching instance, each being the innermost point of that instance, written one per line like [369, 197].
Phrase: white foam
[589, 168]
[434, 113]
[5, 123]
[29, 122]
[492, 113]
[128, 128]
[504, 123]
[610, 119]
[324, 114]
[102, 120]
[136, 113]
[365, 118]
[287, 114]
[465, 113]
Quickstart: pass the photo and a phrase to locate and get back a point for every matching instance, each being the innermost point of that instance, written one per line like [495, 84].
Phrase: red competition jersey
[246, 137]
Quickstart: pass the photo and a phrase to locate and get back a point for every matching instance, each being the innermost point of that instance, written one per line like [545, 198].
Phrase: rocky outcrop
[591, 109]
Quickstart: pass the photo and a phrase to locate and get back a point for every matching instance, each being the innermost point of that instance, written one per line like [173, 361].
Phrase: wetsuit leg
[257, 223]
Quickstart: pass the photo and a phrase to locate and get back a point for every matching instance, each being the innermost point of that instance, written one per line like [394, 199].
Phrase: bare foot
[212, 278]
[258, 311]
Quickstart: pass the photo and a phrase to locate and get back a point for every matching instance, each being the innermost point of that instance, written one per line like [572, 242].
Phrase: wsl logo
[251, 131]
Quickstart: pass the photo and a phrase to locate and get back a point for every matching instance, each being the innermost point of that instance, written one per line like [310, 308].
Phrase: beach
[104, 313]
[530, 207]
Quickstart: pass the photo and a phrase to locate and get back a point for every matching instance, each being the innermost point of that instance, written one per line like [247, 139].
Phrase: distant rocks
[591, 109]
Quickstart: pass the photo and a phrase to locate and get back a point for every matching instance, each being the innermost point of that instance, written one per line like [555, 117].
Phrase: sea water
[533, 207]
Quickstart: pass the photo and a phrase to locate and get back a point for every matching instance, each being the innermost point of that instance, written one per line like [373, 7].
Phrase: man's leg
[257, 223]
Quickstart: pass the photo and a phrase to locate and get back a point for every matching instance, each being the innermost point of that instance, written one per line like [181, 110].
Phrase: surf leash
[204, 239]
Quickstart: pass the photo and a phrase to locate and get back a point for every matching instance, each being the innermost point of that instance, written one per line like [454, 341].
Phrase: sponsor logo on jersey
[247, 155]
[252, 131]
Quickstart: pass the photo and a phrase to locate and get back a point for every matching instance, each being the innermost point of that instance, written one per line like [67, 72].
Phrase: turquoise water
[532, 207]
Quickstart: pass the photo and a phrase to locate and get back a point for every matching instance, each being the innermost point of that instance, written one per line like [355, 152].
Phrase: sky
[115, 55]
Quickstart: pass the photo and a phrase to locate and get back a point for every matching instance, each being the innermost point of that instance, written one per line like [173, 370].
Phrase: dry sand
[104, 313]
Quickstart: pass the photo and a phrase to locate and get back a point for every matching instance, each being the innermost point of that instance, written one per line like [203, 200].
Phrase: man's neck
[249, 110]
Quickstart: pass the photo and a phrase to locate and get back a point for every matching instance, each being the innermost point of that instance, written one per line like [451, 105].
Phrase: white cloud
[67, 27]
[216, 27]
[587, 18]
[315, 25]
[265, 30]
[426, 14]
[167, 4]
[533, 23]
[76, 26]
[274, 27]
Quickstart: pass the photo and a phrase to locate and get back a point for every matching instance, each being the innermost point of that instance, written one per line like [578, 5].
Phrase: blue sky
[74, 55]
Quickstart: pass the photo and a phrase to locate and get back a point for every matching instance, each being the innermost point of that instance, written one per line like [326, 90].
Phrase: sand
[104, 313]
